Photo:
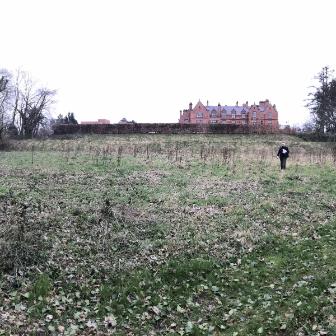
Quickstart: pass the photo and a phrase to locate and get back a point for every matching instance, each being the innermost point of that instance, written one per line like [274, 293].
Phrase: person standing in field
[283, 154]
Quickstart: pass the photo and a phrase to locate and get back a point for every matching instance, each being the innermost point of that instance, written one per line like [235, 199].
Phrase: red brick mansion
[264, 114]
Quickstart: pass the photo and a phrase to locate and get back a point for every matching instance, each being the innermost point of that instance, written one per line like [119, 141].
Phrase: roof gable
[199, 107]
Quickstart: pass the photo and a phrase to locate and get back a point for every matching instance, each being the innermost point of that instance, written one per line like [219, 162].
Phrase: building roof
[227, 108]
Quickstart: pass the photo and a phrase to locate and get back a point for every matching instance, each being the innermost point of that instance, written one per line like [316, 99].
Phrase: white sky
[147, 59]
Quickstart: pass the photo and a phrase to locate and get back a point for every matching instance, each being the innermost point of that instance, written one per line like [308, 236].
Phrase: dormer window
[199, 115]
[213, 114]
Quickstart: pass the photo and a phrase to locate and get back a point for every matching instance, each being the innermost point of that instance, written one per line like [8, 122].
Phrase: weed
[41, 287]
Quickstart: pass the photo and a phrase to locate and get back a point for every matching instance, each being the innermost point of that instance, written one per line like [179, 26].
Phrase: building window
[213, 121]
[224, 114]
[243, 115]
[270, 122]
[244, 122]
[213, 114]
[233, 114]
[270, 115]
[254, 115]
[199, 115]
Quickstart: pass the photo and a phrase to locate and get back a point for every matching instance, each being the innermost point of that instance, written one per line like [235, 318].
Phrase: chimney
[246, 102]
[207, 102]
[237, 103]
[190, 106]
[180, 113]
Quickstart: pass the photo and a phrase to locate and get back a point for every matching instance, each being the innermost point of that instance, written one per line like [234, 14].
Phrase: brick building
[98, 122]
[264, 114]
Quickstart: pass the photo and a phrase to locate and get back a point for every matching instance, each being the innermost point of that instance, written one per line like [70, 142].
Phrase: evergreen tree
[322, 102]
[71, 119]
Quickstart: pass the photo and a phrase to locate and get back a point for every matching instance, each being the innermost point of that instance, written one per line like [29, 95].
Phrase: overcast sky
[147, 59]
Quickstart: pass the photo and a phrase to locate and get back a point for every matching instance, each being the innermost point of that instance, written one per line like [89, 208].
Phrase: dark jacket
[283, 152]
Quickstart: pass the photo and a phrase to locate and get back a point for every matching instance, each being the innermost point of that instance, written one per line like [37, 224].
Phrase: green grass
[284, 285]
[170, 242]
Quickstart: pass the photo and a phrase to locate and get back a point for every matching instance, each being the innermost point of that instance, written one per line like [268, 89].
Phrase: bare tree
[5, 99]
[31, 104]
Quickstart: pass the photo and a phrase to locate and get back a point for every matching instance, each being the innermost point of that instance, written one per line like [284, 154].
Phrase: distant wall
[175, 128]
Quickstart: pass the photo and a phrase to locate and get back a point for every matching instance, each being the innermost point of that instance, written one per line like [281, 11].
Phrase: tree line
[25, 106]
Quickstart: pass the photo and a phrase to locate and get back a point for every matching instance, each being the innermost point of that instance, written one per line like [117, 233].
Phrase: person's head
[283, 143]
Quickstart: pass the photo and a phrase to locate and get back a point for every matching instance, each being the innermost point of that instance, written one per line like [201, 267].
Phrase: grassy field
[170, 235]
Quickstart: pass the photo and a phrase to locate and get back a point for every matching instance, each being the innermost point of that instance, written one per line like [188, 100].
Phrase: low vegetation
[170, 235]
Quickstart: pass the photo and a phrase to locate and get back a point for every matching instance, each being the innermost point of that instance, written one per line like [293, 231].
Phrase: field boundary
[162, 128]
